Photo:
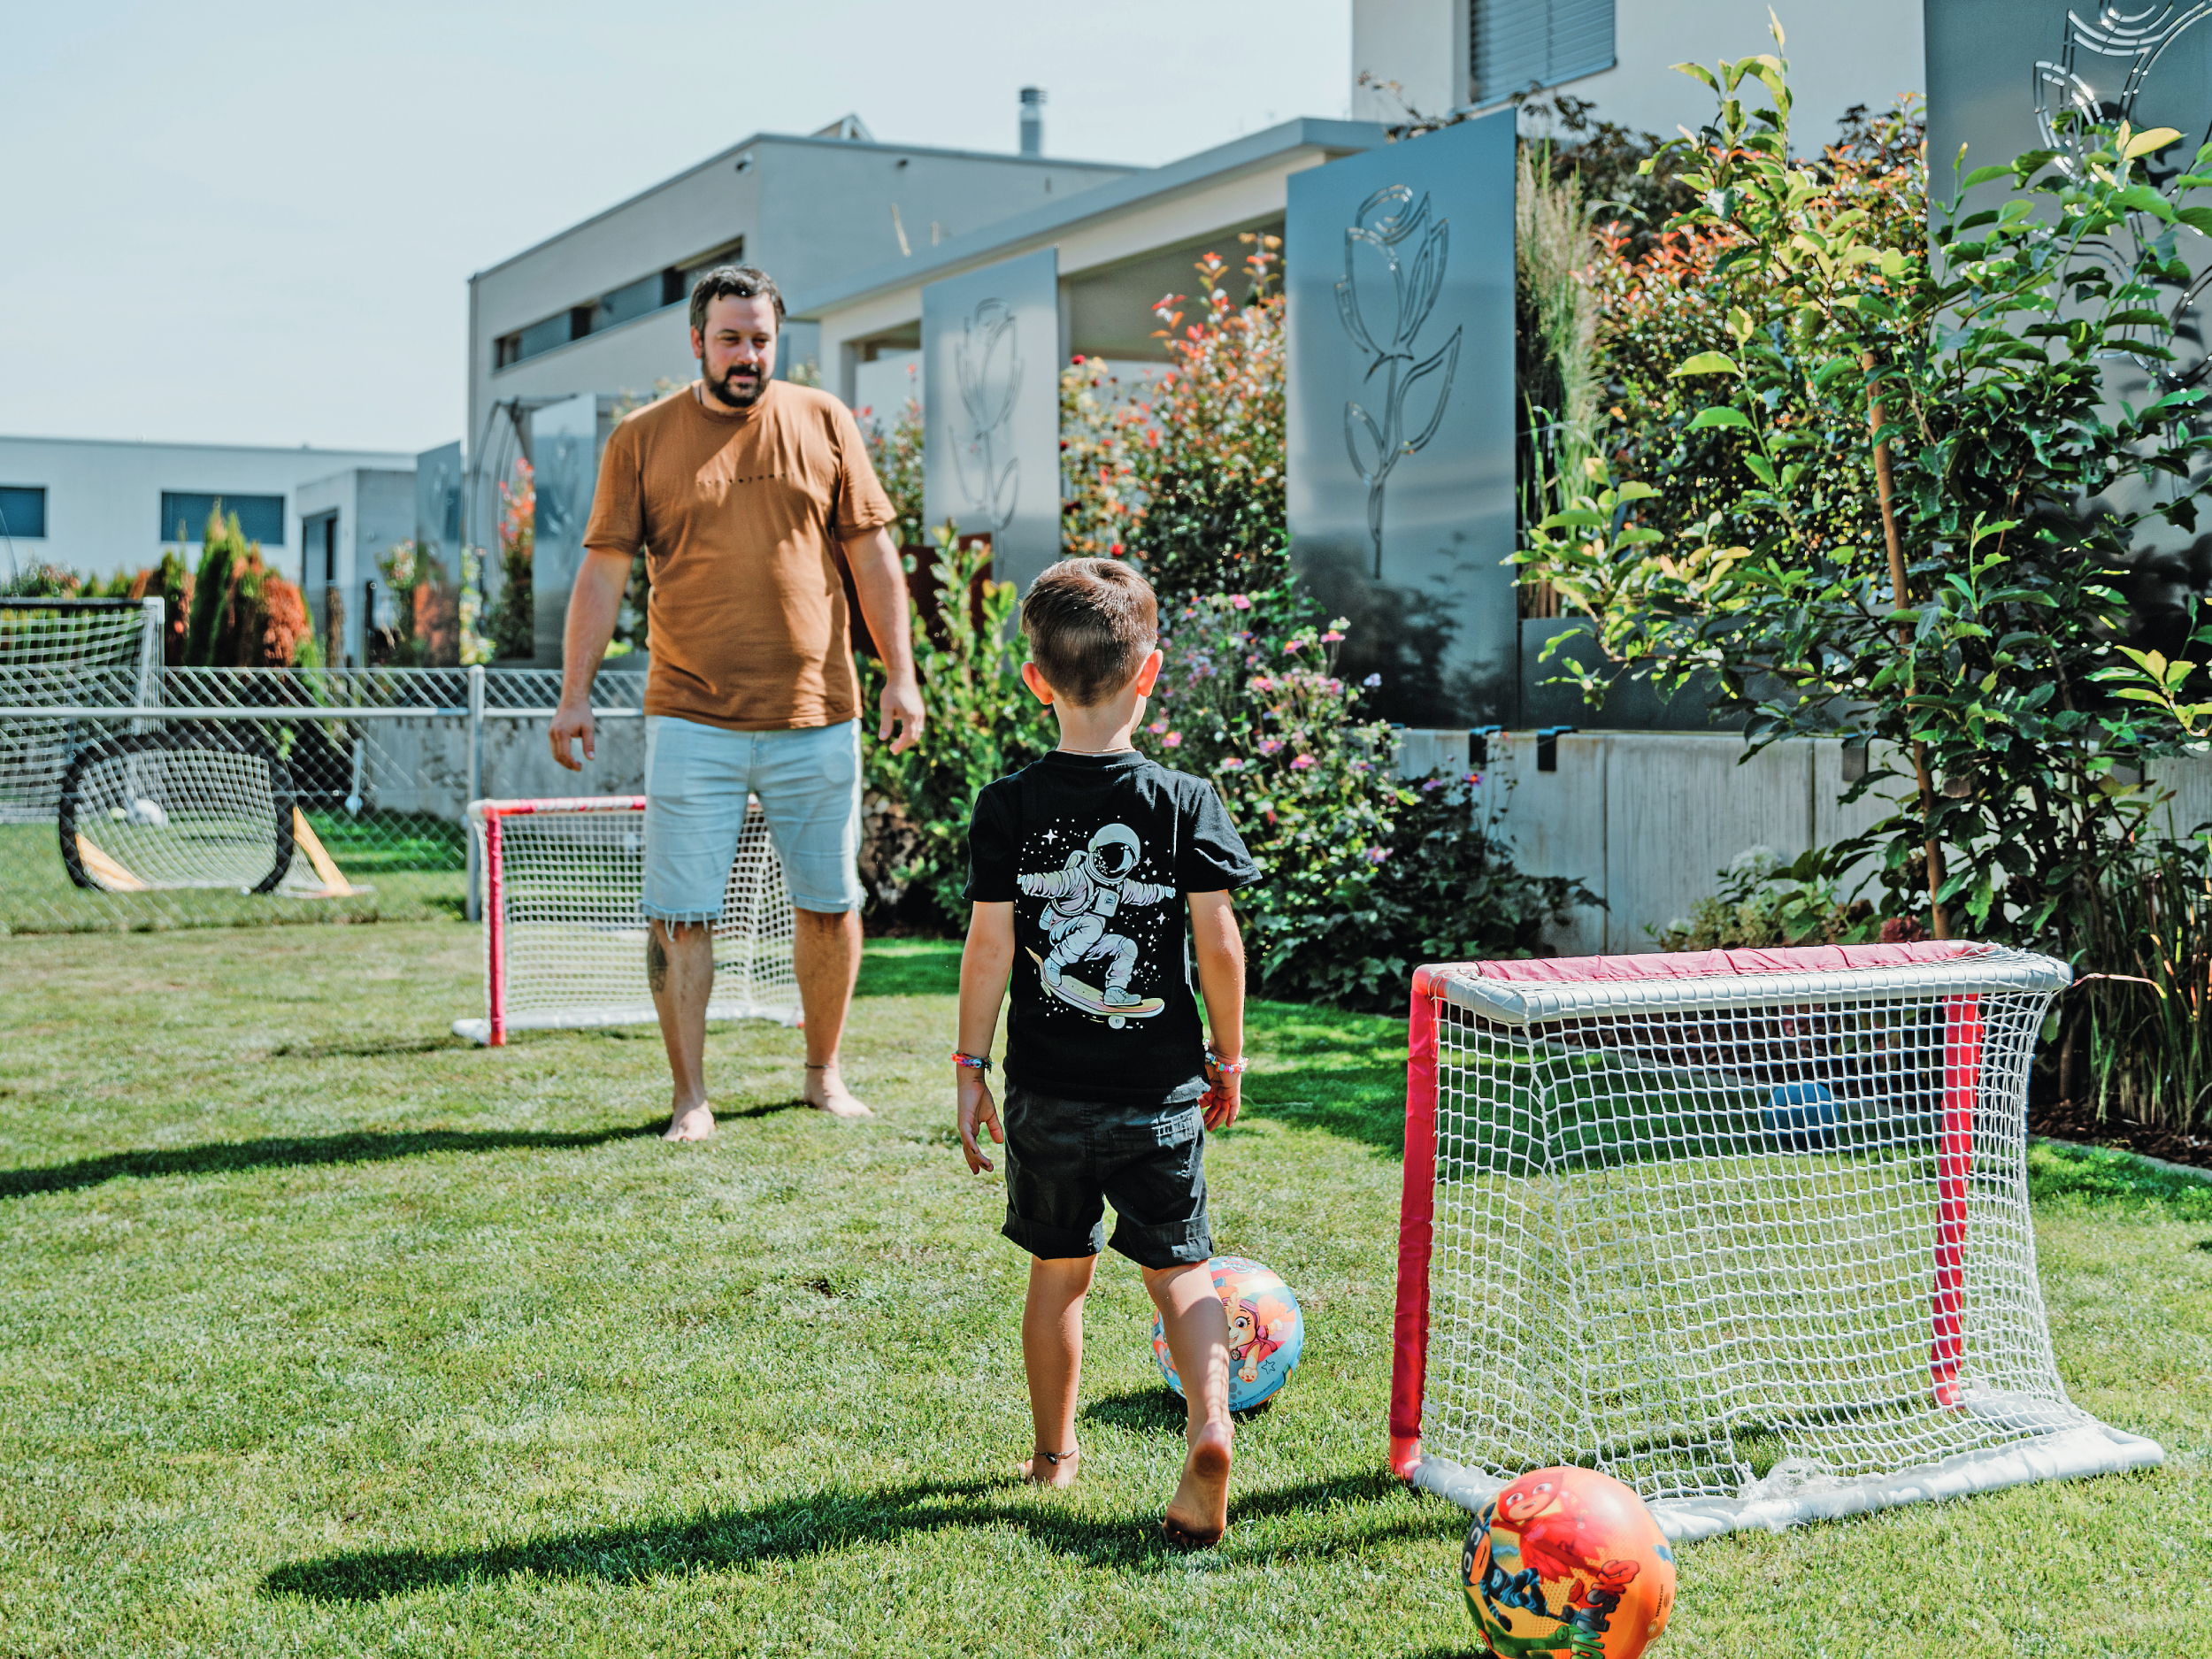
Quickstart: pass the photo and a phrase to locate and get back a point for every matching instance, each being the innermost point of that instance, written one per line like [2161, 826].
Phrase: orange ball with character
[1568, 1561]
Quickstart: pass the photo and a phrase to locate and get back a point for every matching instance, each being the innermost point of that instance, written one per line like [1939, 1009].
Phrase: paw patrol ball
[1267, 1334]
[1568, 1561]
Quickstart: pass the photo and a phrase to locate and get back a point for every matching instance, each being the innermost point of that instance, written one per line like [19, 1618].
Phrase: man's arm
[1219, 949]
[984, 967]
[593, 605]
[879, 578]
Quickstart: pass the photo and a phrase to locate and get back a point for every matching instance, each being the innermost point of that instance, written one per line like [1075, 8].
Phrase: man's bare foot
[693, 1123]
[825, 1091]
[1198, 1514]
[1050, 1469]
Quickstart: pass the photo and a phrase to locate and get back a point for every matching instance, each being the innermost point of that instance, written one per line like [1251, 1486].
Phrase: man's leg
[809, 785]
[825, 951]
[1198, 1336]
[1052, 1355]
[694, 776]
[679, 967]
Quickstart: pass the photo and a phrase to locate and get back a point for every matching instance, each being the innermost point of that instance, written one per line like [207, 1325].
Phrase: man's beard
[735, 390]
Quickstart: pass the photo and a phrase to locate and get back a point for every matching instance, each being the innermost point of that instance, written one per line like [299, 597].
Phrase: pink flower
[1173, 740]
[1302, 763]
[1232, 764]
[1239, 602]
[1271, 745]
[1330, 637]
[1376, 855]
[1295, 646]
[1157, 727]
[1261, 682]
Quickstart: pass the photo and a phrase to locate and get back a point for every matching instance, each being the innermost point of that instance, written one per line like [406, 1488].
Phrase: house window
[184, 515]
[1519, 44]
[23, 510]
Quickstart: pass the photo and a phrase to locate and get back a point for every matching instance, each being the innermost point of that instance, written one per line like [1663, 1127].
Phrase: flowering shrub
[1764, 902]
[1364, 875]
[1188, 476]
[243, 614]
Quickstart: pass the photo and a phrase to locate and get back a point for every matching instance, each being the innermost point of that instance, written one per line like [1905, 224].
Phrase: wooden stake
[1886, 487]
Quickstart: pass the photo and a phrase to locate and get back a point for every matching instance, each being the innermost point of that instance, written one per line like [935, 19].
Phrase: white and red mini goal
[1748, 1230]
[564, 930]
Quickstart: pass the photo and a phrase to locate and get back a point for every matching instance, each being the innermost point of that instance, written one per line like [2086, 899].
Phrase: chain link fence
[133, 797]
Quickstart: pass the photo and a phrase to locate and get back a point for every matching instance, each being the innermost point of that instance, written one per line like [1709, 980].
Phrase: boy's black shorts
[1066, 1160]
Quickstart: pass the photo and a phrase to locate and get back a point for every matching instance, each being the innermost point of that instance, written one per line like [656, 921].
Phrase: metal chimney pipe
[1032, 121]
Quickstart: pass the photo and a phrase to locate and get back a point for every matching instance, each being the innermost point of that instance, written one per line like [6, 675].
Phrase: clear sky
[241, 222]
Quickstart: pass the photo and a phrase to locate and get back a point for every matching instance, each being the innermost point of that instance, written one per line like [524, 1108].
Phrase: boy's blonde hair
[1090, 624]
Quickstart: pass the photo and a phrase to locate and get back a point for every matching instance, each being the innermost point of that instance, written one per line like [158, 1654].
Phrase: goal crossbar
[1747, 1229]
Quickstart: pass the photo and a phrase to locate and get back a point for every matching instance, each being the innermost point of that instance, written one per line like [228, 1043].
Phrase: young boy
[1079, 868]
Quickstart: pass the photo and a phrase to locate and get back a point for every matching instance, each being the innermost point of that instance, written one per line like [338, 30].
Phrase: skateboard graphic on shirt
[1075, 993]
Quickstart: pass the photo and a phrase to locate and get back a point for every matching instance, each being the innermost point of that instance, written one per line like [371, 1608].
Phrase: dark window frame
[194, 518]
[9, 516]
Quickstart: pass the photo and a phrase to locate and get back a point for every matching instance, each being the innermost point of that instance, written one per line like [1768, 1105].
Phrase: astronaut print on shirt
[1093, 905]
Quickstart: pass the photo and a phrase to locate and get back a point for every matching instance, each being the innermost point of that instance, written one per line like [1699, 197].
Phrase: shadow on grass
[374, 1049]
[1322, 1068]
[285, 1152]
[821, 1524]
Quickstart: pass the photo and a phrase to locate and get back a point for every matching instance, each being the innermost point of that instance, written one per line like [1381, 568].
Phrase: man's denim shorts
[1066, 1160]
[696, 780]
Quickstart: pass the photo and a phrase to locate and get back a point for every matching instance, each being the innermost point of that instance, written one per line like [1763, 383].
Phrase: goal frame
[487, 818]
[1538, 990]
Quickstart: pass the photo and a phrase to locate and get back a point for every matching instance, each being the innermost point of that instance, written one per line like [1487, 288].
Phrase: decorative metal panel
[438, 486]
[1400, 268]
[991, 357]
[565, 449]
[2000, 75]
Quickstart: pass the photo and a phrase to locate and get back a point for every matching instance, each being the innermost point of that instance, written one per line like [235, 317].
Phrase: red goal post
[1747, 1229]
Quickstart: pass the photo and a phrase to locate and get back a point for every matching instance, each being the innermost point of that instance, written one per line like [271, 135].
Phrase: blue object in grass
[1800, 1117]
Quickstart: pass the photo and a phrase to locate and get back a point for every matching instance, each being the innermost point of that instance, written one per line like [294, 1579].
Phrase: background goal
[565, 932]
[1748, 1230]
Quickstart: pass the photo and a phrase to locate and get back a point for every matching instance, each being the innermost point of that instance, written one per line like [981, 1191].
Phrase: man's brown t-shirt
[741, 512]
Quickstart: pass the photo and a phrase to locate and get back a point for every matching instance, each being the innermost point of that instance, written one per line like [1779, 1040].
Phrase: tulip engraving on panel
[1393, 269]
[987, 365]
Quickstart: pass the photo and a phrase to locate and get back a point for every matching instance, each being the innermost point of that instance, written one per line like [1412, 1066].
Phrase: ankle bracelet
[1057, 1458]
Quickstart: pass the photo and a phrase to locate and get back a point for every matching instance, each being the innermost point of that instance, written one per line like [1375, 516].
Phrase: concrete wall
[422, 765]
[1647, 821]
[375, 509]
[1839, 54]
[103, 498]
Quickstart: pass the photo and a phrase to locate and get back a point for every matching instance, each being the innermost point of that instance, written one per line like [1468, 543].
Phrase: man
[739, 489]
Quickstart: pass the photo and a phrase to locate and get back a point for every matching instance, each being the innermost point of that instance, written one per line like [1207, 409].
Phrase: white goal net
[564, 931]
[1746, 1230]
[65, 655]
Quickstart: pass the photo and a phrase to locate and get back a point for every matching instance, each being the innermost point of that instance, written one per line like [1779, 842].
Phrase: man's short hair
[733, 281]
[1090, 624]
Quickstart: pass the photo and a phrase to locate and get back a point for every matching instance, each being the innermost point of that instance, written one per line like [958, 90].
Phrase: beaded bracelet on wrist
[1227, 1068]
[971, 1062]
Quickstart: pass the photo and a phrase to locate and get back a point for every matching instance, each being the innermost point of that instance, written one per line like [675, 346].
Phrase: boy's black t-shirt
[1095, 852]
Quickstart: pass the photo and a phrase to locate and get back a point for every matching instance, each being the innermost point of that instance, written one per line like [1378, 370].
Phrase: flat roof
[806, 139]
[407, 455]
[1099, 201]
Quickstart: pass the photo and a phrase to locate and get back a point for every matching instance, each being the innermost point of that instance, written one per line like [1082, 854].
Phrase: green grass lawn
[324, 1333]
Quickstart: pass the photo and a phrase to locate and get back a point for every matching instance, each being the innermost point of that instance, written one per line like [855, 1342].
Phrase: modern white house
[600, 307]
[1444, 55]
[101, 507]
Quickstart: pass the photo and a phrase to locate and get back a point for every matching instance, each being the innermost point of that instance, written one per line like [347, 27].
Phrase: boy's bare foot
[1050, 1469]
[825, 1091]
[693, 1123]
[1198, 1514]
